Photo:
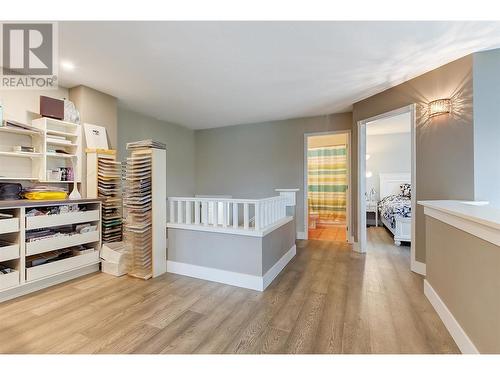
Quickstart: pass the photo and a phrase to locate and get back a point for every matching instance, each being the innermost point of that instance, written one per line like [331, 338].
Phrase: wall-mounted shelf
[70, 143]
[12, 130]
[55, 155]
[58, 143]
[20, 178]
[62, 134]
[21, 154]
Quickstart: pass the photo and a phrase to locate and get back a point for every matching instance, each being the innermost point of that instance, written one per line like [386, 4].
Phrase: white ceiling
[390, 125]
[211, 74]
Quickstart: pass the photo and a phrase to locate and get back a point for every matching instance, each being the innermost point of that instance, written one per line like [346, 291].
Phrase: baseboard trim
[241, 280]
[301, 236]
[418, 267]
[278, 267]
[34, 286]
[463, 341]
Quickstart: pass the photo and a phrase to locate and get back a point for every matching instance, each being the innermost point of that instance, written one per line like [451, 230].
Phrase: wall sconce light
[369, 174]
[439, 107]
[368, 156]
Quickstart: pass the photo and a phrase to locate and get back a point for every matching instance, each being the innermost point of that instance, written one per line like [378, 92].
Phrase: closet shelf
[61, 242]
[9, 252]
[21, 154]
[37, 222]
[9, 280]
[19, 178]
[63, 156]
[56, 182]
[60, 266]
[60, 133]
[62, 144]
[6, 129]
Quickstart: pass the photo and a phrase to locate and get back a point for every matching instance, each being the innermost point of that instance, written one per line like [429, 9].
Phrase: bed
[395, 208]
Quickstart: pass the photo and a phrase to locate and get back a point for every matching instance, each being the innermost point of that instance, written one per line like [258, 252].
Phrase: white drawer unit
[9, 252]
[9, 280]
[37, 222]
[49, 244]
[60, 266]
[17, 253]
[9, 225]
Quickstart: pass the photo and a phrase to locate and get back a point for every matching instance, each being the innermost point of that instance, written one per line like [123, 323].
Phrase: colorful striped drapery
[327, 183]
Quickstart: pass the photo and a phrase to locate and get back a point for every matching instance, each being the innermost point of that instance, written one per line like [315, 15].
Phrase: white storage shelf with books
[38, 243]
[62, 151]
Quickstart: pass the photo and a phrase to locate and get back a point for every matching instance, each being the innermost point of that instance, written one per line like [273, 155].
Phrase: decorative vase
[75, 194]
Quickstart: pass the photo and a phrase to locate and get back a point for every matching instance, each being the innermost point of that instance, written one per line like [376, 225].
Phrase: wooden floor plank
[328, 299]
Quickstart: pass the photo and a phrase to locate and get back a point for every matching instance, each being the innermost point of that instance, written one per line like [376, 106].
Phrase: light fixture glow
[439, 107]
[67, 65]
[369, 174]
[368, 156]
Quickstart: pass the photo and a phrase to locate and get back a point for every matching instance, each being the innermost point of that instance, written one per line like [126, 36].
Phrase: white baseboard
[301, 236]
[463, 341]
[356, 247]
[278, 267]
[418, 267]
[232, 278]
[34, 286]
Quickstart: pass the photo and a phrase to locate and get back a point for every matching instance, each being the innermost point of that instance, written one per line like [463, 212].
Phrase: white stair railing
[220, 213]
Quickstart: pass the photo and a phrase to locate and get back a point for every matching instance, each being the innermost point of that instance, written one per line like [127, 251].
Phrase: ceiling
[390, 125]
[212, 74]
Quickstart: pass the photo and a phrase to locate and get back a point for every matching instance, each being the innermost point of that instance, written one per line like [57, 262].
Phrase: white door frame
[362, 242]
[347, 132]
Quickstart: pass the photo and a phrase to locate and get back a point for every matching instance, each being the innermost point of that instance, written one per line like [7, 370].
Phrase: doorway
[326, 186]
[401, 226]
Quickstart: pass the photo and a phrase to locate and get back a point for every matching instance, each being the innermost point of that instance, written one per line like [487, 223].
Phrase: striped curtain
[327, 183]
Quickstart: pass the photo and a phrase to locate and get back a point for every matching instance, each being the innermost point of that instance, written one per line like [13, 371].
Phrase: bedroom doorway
[389, 194]
[326, 185]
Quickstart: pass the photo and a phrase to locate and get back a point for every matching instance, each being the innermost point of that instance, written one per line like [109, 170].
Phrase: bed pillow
[405, 190]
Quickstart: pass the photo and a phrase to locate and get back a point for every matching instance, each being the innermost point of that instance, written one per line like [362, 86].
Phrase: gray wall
[444, 144]
[180, 143]
[487, 126]
[463, 270]
[231, 252]
[389, 153]
[250, 161]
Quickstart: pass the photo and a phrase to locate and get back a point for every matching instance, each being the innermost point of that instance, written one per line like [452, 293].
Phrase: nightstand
[371, 206]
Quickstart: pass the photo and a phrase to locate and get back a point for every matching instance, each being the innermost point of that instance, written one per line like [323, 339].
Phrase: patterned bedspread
[393, 205]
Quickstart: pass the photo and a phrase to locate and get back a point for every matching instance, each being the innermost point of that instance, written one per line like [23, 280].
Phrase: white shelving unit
[60, 135]
[20, 165]
[16, 251]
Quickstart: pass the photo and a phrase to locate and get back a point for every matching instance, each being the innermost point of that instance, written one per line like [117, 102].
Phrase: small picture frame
[96, 137]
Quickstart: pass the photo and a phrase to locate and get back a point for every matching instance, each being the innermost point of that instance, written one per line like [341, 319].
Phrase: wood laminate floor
[329, 299]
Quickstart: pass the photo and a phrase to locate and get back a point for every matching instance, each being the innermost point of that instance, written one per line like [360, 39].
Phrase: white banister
[196, 212]
[172, 211]
[223, 214]
[188, 212]
[179, 212]
[204, 212]
[235, 215]
[246, 216]
[258, 217]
